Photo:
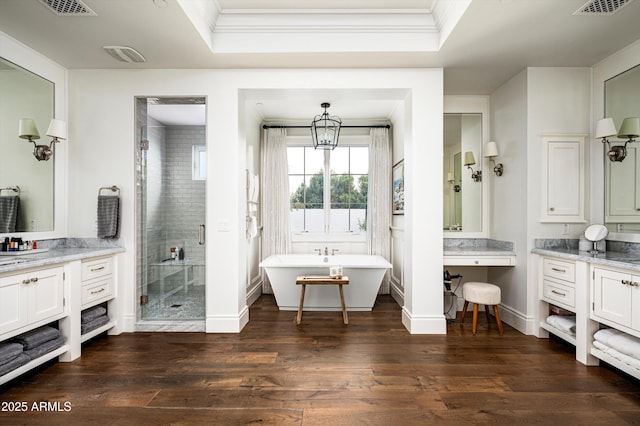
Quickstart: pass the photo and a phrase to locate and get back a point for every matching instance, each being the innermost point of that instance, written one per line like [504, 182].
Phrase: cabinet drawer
[559, 269]
[97, 291]
[97, 268]
[559, 293]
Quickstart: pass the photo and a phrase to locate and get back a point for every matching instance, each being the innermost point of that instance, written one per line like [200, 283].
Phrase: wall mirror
[622, 187]
[24, 94]
[463, 195]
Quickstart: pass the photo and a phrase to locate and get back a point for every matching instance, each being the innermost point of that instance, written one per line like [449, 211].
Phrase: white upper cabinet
[563, 174]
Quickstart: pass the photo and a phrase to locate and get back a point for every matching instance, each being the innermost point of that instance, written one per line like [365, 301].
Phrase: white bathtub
[365, 274]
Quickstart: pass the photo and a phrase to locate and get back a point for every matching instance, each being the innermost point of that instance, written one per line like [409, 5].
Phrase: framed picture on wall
[397, 175]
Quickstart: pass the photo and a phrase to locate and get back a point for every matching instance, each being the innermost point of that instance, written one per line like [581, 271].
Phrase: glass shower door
[172, 209]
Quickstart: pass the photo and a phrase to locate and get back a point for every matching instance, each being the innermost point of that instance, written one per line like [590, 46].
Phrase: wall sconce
[27, 129]
[629, 130]
[452, 181]
[491, 152]
[469, 161]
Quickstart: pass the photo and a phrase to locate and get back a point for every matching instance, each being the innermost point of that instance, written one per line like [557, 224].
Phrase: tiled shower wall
[184, 198]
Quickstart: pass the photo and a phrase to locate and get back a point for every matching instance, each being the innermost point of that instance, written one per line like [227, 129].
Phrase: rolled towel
[18, 361]
[92, 313]
[630, 361]
[93, 324]
[36, 337]
[9, 351]
[45, 348]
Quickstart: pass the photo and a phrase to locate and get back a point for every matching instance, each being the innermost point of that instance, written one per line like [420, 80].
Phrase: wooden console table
[322, 280]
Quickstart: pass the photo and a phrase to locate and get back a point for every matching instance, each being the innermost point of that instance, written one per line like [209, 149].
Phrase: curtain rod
[386, 126]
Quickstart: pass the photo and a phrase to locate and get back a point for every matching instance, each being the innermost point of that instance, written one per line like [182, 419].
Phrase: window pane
[295, 158]
[313, 160]
[296, 191]
[339, 218]
[359, 160]
[340, 160]
[342, 189]
[314, 218]
[358, 218]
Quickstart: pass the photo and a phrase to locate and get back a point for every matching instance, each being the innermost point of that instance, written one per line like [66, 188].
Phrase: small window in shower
[199, 158]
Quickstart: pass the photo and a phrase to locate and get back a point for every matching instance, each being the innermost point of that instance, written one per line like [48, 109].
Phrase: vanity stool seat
[481, 294]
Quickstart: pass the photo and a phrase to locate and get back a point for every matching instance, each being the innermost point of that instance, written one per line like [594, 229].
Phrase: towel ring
[112, 188]
[11, 188]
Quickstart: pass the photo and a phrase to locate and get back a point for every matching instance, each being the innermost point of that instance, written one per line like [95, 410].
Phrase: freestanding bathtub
[365, 274]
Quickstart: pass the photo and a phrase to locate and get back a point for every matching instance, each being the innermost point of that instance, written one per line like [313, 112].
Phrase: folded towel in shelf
[108, 216]
[10, 215]
[93, 324]
[92, 313]
[45, 348]
[18, 361]
[9, 351]
[563, 323]
[626, 359]
[36, 337]
[620, 341]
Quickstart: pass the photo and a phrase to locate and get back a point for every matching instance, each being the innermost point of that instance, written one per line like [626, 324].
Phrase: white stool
[481, 294]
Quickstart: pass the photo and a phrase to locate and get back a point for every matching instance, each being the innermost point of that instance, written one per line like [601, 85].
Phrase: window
[341, 205]
[199, 159]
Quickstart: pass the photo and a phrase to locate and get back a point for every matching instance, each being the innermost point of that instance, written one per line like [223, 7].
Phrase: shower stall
[171, 173]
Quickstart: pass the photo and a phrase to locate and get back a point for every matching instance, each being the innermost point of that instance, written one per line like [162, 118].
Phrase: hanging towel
[108, 216]
[10, 220]
[253, 227]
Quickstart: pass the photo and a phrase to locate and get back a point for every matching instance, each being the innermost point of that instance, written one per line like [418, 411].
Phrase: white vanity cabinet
[563, 178]
[30, 299]
[564, 282]
[616, 299]
[97, 281]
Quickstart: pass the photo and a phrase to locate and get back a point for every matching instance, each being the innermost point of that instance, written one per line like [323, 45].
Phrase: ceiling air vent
[602, 7]
[124, 53]
[68, 7]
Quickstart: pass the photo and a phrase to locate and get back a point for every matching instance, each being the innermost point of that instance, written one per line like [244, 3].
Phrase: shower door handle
[201, 235]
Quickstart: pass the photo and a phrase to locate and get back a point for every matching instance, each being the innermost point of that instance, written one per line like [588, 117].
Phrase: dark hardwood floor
[370, 372]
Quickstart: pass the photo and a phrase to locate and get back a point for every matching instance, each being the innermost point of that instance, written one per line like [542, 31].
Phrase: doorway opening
[171, 174]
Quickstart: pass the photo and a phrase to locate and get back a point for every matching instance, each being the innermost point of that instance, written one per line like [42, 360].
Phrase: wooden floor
[370, 372]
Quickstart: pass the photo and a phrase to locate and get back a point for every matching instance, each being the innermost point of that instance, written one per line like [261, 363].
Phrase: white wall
[102, 111]
[536, 102]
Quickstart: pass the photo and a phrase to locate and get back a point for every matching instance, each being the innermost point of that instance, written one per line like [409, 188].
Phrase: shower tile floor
[178, 306]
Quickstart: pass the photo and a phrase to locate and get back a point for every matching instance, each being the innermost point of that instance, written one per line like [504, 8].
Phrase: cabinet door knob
[558, 270]
[552, 209]
[557, 292]
[27, 281]
[625, 282]
[34, 279]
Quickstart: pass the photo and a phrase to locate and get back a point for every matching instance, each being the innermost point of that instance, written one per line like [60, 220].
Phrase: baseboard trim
[254, 292]
[228, 324]
[517, 320]
[436, 324]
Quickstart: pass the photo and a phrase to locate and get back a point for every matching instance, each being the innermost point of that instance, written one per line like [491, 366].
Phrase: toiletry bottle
[173, 252]
[181, 254]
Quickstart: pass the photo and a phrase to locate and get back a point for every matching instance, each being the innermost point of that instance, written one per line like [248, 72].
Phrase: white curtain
[379, 208]
[275, 197]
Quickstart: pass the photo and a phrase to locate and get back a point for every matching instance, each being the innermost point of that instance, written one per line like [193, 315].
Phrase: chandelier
[325, 129]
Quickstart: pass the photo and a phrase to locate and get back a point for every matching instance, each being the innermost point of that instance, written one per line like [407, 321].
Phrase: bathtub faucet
[319, 251]
[326, 251]
[333, 251]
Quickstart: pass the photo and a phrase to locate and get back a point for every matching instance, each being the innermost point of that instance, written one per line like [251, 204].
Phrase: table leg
[345, 318]
[299, 317]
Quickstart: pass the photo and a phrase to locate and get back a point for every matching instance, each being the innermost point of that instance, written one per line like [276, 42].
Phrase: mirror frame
[458, 104]
[610, 67]
[19, 54]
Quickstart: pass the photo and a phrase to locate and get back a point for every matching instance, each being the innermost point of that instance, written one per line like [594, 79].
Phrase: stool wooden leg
[486, 312]
[497, 314]
[299, 317]
[345, 318]
[475, 318]
[464, 311]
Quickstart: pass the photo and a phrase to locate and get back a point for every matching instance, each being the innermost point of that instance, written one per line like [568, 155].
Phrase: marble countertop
[615, 259]
[477, 247]
[52, 257]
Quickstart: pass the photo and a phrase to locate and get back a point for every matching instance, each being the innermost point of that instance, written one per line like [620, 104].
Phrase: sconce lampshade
[630, 128]
[450, 177]
[57, 129]
[27, 129]
[469, 160]
[491, 150]
[605, 128]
